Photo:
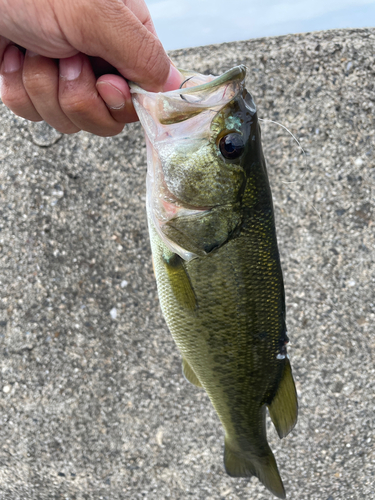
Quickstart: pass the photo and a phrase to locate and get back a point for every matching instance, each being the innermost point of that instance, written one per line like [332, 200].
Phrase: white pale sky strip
[269, 11]
[188, 23]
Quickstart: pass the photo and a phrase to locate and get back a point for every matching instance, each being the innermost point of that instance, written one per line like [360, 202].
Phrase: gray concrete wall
[95, 407]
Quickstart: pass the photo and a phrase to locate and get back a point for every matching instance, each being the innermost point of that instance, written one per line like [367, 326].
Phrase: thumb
[110, 30]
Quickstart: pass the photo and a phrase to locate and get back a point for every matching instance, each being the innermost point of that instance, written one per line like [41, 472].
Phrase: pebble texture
[92, 401]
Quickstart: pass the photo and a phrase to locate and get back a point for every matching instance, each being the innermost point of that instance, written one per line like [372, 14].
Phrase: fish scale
[217, 263]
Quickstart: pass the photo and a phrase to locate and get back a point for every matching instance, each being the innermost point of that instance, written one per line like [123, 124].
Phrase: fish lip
[236, 73]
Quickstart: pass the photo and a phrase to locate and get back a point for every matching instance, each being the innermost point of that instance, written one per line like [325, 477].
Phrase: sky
[190, 23]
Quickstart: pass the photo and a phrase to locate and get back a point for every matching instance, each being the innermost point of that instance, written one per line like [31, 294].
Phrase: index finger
[109, 29]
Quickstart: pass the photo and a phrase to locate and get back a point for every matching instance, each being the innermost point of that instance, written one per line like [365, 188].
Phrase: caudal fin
[246, 464]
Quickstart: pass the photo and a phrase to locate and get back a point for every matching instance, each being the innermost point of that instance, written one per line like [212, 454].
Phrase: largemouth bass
[216, 260]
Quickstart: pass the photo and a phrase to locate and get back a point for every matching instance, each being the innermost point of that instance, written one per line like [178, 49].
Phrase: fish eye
[231, 146]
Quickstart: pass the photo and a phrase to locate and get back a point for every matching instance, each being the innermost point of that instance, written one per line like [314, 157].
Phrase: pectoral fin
[179, 281]
[284, 406]
[189, 373]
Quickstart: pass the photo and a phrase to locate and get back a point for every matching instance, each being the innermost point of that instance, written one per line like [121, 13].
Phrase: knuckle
[78, 98]
[153, 62]
[39, 77]
[74, 105]
[35, 84]
[86, 110]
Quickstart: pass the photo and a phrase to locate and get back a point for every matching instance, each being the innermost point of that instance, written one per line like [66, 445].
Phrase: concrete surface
[93, 404]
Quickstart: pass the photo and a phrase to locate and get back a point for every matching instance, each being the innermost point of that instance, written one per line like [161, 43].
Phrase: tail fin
[247, 464]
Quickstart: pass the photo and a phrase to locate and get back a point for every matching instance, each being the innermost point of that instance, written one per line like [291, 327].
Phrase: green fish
[216, 260]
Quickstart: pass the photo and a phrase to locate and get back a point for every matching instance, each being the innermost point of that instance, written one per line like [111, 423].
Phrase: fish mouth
[233, 74]
[167, 114]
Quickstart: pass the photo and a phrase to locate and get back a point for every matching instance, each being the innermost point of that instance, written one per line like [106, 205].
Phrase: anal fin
[189, 373]
[284, 406]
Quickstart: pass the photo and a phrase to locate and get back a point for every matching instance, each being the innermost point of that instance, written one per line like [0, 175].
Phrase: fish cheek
[201, 178]
[201, 234]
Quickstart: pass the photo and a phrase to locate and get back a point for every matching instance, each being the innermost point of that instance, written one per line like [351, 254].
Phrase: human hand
[78, 54]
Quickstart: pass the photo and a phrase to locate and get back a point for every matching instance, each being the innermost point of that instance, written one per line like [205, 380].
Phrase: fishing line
[297, 141]
[305, 159]
[312, 205]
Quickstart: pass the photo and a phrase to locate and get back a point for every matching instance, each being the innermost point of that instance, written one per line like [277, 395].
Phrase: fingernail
[12, 59]
[112, 96]
[71, 67]
[174, 79]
